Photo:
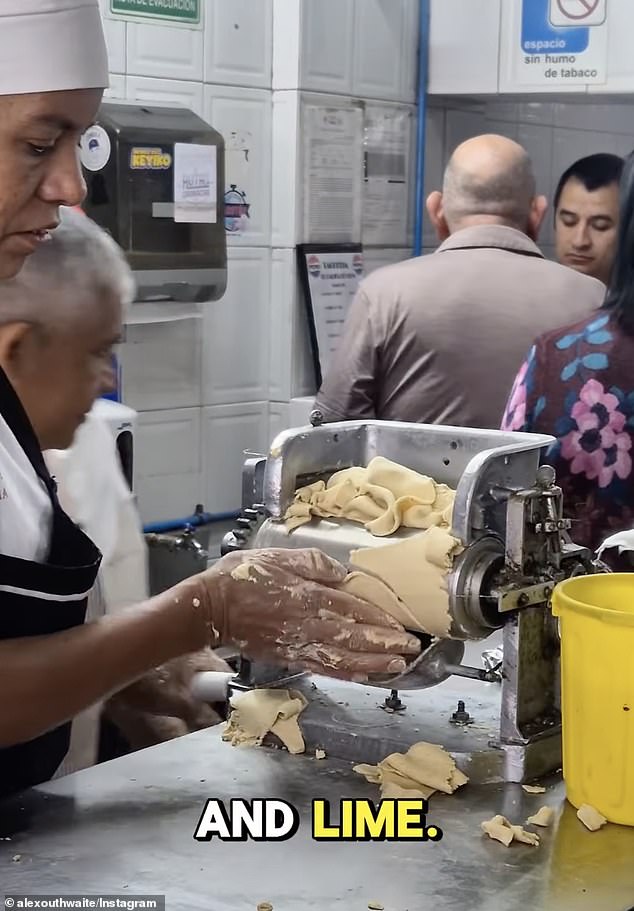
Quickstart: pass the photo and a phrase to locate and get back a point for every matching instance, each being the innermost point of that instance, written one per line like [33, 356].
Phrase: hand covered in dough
[285, 606]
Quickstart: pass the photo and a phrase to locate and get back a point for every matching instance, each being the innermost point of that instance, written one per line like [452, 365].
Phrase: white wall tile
[239, 42]
[115, 34]
[374, 259]
[435, 161]
[279, 419]
[169, 53]
[538, 142]
[506, 111]
[227, 431]
[244, 117]
[327, 43]
[161, 365]
[168, 464]
[117, 89]
[503, 128]
[236, 332]
[569, 145]
[624, 145]
[459, 66]
[540, 112]
[166, 91]
[459, 126]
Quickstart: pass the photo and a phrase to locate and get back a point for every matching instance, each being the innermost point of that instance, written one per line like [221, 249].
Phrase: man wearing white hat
[53, 70]
[282, 605]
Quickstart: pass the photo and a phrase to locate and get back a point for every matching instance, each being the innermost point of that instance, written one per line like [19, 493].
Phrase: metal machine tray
[475, 463]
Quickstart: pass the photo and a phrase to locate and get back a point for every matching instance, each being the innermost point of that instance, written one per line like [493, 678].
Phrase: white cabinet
[386, 40]
[464, 46]
[227, 432]
[244, 118]
[326, 54]
[238, 42]
[161, 364]
[169, 53]
[291, 368]
[620, 64]
[115, 35]
[166, 92]
[279, 419]
[236, 332]
[116, 90]
[347, 47]
[167, 464]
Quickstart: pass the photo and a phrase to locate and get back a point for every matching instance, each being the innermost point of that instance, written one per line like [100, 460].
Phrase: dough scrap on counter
[590, 817]
[544, 818]
[533, 789]
[500, 829]
[383, 497]
[416, 571]
[258, 712]
[424, 769]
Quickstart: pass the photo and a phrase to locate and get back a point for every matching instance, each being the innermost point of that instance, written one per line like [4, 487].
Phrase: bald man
[438, 339]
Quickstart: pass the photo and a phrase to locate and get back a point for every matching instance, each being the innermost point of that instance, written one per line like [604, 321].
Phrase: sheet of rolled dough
[424, 769]
[544, 817]
[258, 712]
[376, 592]
[590, 817]
[416, 570]
[500, 829]
[383, 497]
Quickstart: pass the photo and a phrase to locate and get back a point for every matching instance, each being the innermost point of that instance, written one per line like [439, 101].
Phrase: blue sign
[539, 36]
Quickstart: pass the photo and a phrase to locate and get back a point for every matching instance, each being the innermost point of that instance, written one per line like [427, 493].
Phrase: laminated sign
[559, 43]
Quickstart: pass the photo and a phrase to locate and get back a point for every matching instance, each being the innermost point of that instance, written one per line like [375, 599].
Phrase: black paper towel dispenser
[155, 178]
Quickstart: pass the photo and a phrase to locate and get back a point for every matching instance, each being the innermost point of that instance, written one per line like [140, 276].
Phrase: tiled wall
[555, 135]
[207, 389]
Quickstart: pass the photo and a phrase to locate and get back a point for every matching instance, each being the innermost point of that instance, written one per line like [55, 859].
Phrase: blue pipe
[423, 70]
[198, 519]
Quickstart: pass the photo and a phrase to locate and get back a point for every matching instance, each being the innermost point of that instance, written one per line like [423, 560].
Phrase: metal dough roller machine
[508, 514]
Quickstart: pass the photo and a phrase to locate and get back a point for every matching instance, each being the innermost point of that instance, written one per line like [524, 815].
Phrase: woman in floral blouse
[577, 384]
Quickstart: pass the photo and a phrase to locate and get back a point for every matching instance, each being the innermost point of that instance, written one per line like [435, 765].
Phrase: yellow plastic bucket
[597, 692]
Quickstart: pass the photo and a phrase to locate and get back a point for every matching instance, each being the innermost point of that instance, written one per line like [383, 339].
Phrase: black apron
[38, 599]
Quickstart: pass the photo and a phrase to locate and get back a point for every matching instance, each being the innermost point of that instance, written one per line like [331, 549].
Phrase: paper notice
[195, 183]
[333, 280]
[387, 163]
[333, 174]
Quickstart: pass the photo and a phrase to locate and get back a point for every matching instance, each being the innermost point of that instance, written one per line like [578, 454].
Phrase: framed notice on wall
[330, 275]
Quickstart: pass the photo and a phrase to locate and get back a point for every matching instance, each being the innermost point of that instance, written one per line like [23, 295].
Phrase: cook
[53, 69]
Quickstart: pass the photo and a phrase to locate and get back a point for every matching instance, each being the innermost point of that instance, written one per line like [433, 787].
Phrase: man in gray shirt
[438, 339]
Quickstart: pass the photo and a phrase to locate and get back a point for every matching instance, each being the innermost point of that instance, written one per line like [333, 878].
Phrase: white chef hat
[51, 46]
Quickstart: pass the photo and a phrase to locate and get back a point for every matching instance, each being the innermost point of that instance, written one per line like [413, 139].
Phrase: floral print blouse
[577, 384]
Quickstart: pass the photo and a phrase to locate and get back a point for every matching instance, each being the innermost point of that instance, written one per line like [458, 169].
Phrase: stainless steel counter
[127, 827]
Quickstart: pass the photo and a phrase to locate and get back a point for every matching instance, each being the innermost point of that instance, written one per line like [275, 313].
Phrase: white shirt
[93, 492]
[26, 512]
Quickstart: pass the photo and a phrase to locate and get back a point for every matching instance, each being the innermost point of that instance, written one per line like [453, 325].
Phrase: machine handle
[211, 686]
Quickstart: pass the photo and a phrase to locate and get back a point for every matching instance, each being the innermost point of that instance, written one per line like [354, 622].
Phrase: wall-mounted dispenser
[155, 178]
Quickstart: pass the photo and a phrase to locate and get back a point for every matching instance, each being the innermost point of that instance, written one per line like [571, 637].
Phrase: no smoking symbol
[570, 13]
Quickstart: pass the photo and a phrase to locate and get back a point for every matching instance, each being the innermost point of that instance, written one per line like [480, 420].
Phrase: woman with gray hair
[59, 320]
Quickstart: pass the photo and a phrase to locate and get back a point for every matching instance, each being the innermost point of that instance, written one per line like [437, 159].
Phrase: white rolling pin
[211, 686]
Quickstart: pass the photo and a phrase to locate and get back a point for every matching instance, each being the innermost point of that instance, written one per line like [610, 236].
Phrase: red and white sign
[571, 13]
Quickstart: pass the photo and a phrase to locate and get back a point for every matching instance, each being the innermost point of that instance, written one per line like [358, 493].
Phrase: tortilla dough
[374, 591]
[500, 829]
[416, 571]
[424, 769]
[257, 712]
[382, 497]
[590, 817]
[544, 818]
